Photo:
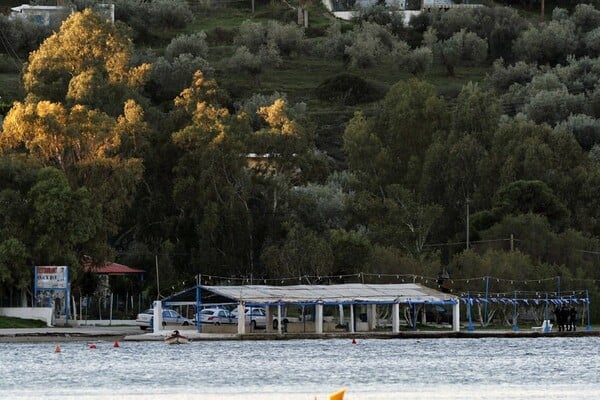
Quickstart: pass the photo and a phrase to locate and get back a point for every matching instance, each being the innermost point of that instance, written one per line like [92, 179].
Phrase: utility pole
[542, 15]
[157, 280]
[467, 223]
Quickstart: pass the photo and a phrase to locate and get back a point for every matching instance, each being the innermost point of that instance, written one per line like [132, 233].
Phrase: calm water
[526, 368]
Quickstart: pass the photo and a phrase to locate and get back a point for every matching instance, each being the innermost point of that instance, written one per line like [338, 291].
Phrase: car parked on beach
[145, 319]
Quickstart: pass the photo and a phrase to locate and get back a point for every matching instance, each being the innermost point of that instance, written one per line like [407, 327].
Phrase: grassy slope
[11, 322]
[298, 77]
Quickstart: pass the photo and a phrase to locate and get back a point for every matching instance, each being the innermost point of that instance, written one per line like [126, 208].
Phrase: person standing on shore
[564, 318]
[557, 317]
[572, 319]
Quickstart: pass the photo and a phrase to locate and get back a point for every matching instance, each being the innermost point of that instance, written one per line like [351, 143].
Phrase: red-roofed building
[112, 268]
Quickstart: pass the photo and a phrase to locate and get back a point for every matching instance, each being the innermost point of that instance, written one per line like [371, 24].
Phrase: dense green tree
[477, 113]
[462, 48]
[351, 251]
[303, 253]
[522, 197]
[549, 43]
[411, 116]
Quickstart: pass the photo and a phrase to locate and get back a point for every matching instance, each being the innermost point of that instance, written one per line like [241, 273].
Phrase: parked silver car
[217, 316]
[145, 319]
[255, 316]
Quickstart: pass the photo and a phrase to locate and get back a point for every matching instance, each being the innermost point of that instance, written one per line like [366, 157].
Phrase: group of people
[566, 318]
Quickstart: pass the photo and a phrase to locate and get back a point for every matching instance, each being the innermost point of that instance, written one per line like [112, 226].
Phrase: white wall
[40, 313]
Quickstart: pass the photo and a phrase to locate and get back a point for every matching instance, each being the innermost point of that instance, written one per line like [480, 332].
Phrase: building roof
[312, 294]
[111, 268]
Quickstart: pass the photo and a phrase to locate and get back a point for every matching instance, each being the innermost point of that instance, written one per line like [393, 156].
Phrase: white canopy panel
[343, 293]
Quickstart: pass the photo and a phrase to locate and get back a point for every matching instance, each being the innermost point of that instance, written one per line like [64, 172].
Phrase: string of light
[411, 278]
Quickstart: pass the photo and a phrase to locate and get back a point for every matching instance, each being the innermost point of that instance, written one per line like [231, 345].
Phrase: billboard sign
[51, 288]
[51, 277]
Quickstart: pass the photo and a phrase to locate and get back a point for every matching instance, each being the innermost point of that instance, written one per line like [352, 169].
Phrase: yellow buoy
[339, 395]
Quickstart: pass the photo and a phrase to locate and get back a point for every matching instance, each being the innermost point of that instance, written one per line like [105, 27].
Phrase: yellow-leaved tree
[82, 115]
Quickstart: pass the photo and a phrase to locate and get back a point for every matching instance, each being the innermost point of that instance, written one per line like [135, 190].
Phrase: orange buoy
[353, 341]
[339, 395]
[92, 346]
[116, 344]
[57, 349]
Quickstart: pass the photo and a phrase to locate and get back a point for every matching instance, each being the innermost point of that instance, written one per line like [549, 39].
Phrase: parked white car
[145, 319]
[217, 316]
[255, 316]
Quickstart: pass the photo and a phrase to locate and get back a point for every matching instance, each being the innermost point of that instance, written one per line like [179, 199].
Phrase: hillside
[236, 145]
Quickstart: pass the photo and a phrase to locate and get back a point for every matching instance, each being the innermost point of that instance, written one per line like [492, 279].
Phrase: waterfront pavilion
[349, 296]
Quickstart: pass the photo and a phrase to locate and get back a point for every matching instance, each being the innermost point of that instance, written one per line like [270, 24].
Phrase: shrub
[419, 60]
[315, 31]
[553, 106]
[23, 36]
[170, 14]
[370, 44]
[549, 44]
[503, 77]
[287, 38]
[221, 35]
[194, 44]
[169, 78]
[584, 128]
[335, 42]
[251, 35]
[254, 63]
[585, 17]
[9, 64]
[349, 89]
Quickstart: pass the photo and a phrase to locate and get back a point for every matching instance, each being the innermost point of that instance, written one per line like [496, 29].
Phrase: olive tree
[462, 48]
[194, 44]
[548, 43]
[586, 130]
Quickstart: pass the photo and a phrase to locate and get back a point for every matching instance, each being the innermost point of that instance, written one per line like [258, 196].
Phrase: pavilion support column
[341, 308]
[157, 316]
[241, 319]
[319, 318]
[456, 317]
[268, 319]
[423, 315]
[372, 317]
[352, 322]
[279, 320]
[395, 318]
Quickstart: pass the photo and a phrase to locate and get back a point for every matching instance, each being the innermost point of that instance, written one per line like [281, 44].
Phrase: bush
[370, 44]
[170, 14]
[585, 129]
[23, 36]
[169, 78]
[315, 31]
[503, 77]
[549, 44]
[194, 44]
[287, 38]
[349, 89]
[221, 36]
[419, 60]
[553, 106]
[250, 35]
[9, 65]
[335, 42]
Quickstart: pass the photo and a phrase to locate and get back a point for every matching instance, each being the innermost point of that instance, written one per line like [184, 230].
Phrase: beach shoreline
[134, 334]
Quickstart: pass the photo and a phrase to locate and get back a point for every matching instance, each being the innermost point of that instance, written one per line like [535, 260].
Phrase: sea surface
[494, 368]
